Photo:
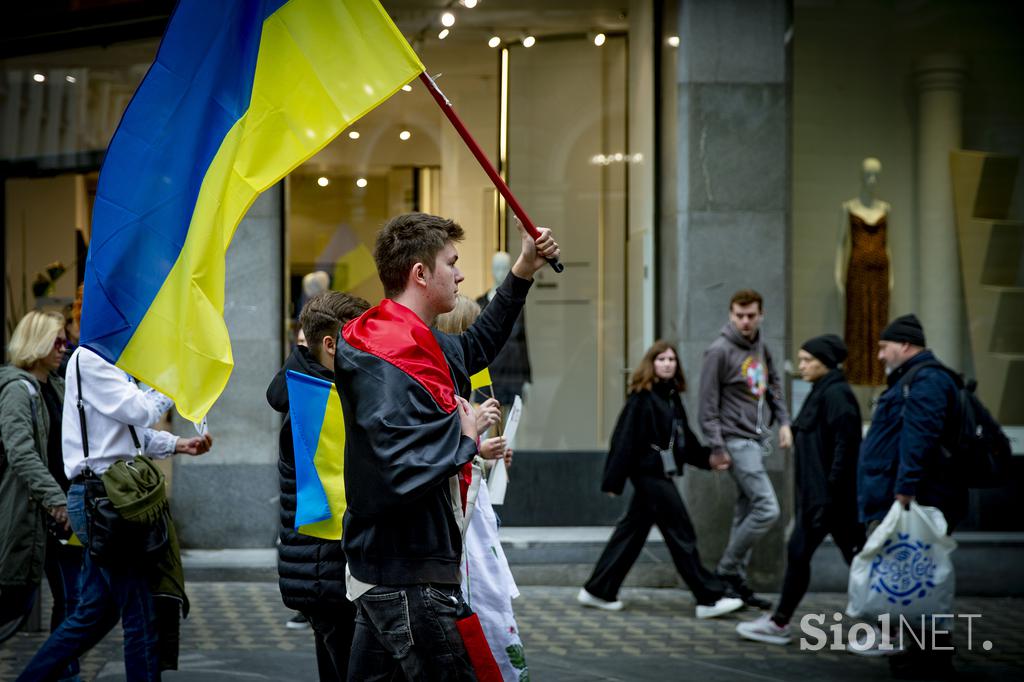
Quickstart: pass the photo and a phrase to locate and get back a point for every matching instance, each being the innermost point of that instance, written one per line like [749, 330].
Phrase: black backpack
[980, 450]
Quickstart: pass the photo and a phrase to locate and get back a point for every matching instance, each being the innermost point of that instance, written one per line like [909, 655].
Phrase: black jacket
[511, 368]
[401, 450]
[311, 570]
[646, 420]
[826, 438]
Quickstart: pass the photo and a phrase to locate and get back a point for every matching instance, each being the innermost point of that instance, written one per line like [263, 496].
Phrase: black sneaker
[297, 622]
[737, 587]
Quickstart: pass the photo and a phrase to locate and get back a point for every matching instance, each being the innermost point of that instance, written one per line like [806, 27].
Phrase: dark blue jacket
[902, 453]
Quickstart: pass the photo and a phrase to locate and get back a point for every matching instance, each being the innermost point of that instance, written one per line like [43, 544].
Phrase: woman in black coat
[826, 441]
[652, 421]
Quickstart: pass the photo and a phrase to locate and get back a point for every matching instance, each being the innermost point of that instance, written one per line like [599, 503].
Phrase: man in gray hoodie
[740, 397]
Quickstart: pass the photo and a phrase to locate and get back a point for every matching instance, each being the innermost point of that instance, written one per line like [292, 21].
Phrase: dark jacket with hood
[645, 421]
[402, 446]
[902, 451]
[311, 570]
[826, 441]
[740, 391]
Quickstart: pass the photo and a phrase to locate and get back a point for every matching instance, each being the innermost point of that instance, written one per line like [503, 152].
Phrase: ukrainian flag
[241, 92]
[318, 439]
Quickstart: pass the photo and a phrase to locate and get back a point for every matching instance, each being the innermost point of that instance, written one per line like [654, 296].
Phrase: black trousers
[333, 632]
[809, 531]
[655, 500]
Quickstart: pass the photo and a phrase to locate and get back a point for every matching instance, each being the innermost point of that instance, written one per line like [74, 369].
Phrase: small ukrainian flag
[318, 438]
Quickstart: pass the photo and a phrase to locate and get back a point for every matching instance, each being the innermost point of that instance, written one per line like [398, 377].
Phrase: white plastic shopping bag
[906, 566]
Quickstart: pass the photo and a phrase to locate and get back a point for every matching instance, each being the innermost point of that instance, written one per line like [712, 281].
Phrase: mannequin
[864, 276]
[510, 372]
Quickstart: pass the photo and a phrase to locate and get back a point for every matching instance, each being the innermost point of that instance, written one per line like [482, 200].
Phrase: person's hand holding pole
[535, 252]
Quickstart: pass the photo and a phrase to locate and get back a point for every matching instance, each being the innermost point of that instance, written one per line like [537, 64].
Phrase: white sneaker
[765, 630]
[587, 599]
[872, 646]
[720, 607]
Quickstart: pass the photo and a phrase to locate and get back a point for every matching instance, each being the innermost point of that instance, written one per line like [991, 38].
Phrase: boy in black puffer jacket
[312, 570]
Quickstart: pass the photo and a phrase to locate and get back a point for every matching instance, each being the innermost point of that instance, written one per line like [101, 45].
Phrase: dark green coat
[27, 489]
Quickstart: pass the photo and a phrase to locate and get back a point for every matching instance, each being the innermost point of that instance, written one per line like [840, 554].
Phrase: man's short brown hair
[409, 239]
[325, 313]
[745, 297]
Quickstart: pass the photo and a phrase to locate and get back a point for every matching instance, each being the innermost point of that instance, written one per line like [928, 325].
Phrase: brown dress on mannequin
[867, 301]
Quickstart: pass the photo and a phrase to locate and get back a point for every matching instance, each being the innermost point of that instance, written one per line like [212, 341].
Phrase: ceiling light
[361, 182]
[599, 39]
[322, 181]
[404, 135]
[494, 41]
[38, 77]
[407, 88]
[529, 41]
[353, 134]
[468, 4]
[673, 41]
[443, 34]
[448, 19]
[70, 79]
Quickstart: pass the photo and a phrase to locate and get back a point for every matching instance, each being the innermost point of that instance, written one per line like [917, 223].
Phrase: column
[732, 228]
[940, 82]
[228, 497]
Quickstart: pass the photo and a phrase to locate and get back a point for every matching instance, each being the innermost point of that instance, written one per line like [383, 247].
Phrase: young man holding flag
[409, 431]
[311, 570]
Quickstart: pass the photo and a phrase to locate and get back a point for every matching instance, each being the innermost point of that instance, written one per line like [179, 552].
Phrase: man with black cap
[902, 457]
[826, 438]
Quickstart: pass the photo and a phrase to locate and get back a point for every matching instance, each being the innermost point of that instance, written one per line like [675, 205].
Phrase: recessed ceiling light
[494, 41]
[673, 41]
[468, 4]
[407, 87]
[404, 135]
[38, 77]
[529, 41]
[353, 134]
[599, 39]
[70, 79]
[448, 19]
[443, 34]
[322, 181]
[361, 182]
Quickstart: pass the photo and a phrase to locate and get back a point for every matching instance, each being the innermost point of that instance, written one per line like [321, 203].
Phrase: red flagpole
[485, 163]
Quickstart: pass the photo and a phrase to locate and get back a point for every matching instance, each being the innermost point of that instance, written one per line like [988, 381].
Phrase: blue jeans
[105, 596]
[409, 630]
[63, 568]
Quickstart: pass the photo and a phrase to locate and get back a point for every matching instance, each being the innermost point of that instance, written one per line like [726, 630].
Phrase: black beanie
[905, 329]
[828, 348]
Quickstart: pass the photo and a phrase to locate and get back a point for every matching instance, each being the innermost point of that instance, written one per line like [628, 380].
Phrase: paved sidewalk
[236, 631]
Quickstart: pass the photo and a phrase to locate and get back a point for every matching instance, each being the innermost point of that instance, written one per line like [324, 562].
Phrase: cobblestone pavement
[236, 631]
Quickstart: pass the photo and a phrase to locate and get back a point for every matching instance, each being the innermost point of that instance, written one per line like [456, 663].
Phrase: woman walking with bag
[32, 483]
[651, 442]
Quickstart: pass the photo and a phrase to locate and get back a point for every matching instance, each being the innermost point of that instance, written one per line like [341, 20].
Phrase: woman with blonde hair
[32, 481]
[651, 442]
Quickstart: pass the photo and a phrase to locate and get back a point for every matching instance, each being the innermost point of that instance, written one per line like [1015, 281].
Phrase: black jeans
[809, 532]
[655, 500]
[333, 630]
[409, 630]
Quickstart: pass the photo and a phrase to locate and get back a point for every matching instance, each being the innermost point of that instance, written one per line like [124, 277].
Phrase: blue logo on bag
[904, 570]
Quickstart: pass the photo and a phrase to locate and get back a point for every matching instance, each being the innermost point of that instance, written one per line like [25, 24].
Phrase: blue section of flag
[197, 88]
[307, 404]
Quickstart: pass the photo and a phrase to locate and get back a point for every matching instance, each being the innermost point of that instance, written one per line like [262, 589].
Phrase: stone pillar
[229, 497]
[940, 83]
[732, 231]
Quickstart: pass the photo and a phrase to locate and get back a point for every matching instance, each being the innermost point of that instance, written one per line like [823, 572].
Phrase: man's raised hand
[535, 253]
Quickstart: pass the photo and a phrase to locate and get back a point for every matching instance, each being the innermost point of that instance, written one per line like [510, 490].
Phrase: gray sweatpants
[757, 508]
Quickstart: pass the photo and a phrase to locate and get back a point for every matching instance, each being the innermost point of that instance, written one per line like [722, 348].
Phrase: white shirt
[112, 401]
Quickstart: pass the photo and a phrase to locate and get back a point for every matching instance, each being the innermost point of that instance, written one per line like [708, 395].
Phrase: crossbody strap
[81, 415]
[81, 408]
